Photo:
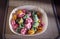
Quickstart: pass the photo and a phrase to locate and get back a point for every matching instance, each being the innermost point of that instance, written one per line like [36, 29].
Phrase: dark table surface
[2, 12]
[3, 4]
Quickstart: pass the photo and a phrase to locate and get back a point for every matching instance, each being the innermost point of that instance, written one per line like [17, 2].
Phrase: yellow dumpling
[19, 12]
[31, 32]
[14, 17]
[21, 21]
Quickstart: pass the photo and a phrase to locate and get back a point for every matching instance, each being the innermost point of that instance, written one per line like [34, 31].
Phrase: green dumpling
[18, 30]
[36, 24]
[33, 12]
[26, 16]
[34, 28]
[21, 25]
[35, 17]
[20, 21]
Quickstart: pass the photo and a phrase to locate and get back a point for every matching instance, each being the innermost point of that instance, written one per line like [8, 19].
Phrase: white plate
[29, 7]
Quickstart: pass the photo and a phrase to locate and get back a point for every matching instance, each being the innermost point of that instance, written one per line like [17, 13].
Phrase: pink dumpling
[23, 31]
[29, 14]
[28, 26]
[21, 15]
[24, 10]
[29, 20]
[13, 22]
[15, 26]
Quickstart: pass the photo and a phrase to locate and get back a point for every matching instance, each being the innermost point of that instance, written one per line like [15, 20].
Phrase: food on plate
[31, 32]
[27, 22]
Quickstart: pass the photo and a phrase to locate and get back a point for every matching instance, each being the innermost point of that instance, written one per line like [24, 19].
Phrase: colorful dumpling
[23, 31]
[24, 10]
[15, 26]
[29, 20]
[26, 16]
[20, 13]
[39, 14]
[20, 21]
[35, 17]
[36, 24]
[39, 29]
[29, 13]
[31, 32]
[14, 17]
[34, 28]
[28, 25]
[21, 26]
[13, 22]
